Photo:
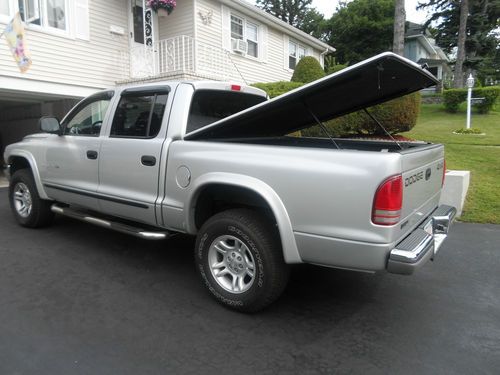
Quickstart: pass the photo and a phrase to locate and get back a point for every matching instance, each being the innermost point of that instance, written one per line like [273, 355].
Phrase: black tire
[39, 215]
[262, 248]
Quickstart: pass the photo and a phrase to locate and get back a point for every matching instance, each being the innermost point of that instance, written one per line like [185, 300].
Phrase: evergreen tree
[481, 29]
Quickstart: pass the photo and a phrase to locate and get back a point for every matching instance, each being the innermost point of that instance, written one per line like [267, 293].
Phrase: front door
[129, 165]
[70, 174]
[141, 39]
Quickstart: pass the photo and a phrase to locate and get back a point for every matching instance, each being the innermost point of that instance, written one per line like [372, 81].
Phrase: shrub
[453, 98]
[307, 70]
[335, 68]
[490, 95]
[468, 131]
[397, 115]
[274, 89]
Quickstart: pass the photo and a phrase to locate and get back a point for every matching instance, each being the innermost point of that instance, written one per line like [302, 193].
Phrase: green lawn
[476, 153]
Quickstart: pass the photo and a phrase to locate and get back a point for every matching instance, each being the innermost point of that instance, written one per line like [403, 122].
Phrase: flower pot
[162, 12]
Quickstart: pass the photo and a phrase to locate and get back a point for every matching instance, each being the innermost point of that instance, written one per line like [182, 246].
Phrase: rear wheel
[240, 260]
[27, 206]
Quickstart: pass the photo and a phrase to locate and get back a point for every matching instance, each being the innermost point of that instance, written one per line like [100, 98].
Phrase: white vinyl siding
[269, 67]
[180, 22]
[97, 62]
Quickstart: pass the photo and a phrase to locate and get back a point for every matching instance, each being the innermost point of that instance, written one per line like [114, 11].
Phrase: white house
[81, 46]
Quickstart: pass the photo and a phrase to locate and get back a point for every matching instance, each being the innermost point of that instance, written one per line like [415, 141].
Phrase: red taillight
[235, 88]
[388, 201]
[444, 172]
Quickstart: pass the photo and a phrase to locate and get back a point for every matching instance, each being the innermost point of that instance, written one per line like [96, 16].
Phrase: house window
[252, 39]
[236, 27]
[56, 14]
[51, 14]
[244, 30]
[295, 53]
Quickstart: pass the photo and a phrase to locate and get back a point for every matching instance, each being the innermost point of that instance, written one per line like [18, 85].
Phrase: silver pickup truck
[214, 160]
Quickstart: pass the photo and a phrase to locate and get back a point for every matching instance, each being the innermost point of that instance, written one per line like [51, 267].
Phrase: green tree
[481, 29]
[361, 29]
[298, 13]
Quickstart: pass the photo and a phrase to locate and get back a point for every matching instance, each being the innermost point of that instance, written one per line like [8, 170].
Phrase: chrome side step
[113, 225]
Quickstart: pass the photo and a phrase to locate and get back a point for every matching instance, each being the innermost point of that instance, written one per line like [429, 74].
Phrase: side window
[139, 116]
[88, 119]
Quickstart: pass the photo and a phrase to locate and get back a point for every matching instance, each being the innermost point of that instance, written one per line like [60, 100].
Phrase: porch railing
[181, 55]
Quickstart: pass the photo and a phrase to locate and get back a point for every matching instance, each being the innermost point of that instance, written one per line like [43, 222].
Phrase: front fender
[10, 154]
[290, 250]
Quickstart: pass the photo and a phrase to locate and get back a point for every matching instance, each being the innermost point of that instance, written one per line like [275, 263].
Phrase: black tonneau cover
[373, 81]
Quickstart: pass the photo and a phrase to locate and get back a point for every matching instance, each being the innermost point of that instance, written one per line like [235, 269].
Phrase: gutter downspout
[323, 54]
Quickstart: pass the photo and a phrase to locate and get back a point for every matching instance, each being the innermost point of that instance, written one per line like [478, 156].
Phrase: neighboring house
[421, 48]
[81, 46]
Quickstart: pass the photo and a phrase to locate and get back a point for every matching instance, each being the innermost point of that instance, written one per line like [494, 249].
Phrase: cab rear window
[209, 106]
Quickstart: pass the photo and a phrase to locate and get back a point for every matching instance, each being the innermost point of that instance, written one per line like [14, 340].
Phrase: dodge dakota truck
[215, 160]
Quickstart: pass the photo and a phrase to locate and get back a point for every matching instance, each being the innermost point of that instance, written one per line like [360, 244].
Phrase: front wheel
[27, 206]
[240, 259]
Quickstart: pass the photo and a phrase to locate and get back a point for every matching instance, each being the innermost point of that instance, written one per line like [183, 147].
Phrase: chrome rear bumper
[423, 243]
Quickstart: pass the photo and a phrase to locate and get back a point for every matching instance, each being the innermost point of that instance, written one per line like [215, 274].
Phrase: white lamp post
[470, 85]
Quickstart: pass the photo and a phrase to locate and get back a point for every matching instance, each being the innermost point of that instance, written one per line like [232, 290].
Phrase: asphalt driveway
[77, 299]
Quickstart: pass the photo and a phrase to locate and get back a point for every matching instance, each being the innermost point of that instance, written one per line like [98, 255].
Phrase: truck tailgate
[422, 179]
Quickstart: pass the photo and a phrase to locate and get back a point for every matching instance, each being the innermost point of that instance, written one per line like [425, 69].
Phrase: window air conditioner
[239, 45]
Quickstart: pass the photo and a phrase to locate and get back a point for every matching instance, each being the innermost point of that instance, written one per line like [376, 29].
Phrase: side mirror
[50, 125]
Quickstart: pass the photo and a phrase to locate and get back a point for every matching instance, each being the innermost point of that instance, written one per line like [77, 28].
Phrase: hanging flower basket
[162, 7]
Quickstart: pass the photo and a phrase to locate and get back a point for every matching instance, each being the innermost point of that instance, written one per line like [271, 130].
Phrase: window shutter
[226, 28]
[82, 28]
[263, 42]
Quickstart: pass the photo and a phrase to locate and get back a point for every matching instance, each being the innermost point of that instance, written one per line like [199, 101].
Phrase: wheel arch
[247, 186]
[20, 159]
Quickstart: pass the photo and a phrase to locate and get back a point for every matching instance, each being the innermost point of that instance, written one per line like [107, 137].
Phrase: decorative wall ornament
[206, 16]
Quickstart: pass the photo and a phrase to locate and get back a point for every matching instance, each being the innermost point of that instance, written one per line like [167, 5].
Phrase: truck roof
[198, 85]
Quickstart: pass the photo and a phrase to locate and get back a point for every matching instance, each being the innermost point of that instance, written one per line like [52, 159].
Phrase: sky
[327, 7]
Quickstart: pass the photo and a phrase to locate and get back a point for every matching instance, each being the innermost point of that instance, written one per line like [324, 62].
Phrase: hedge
[396, 116]
[454, 97]
[274, 89]
[307, 70]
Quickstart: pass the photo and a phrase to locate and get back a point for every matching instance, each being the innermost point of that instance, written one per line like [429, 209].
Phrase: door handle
[148, 160]
[92, 154]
